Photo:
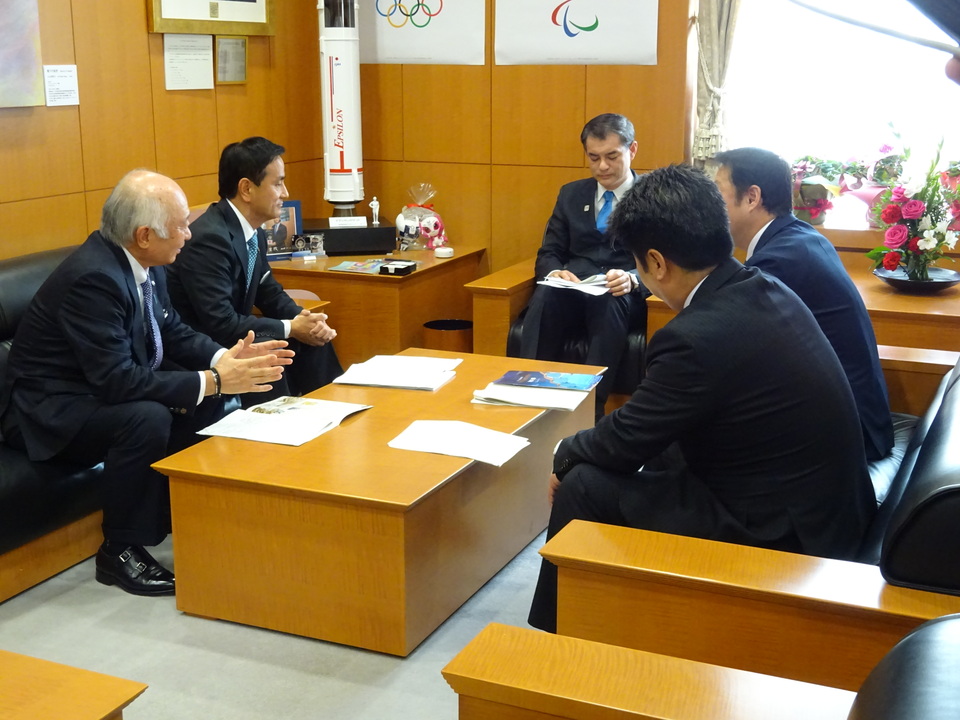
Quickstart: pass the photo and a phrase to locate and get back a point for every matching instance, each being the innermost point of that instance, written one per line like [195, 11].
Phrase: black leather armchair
[38, 500]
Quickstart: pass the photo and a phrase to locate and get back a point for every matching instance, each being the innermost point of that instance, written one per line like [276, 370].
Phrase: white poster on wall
[432, 32]
[576, 32]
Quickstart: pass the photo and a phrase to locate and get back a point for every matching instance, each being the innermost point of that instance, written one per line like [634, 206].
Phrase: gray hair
[136, 201]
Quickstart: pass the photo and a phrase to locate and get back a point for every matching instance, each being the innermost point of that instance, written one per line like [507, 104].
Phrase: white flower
[942, 226]
[928, 241]
[925, 224]
[950, 239]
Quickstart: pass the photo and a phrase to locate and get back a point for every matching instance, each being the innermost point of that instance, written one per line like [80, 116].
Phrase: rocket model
[340, 104]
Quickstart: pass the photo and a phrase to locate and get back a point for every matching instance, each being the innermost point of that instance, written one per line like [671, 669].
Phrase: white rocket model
[340, 104]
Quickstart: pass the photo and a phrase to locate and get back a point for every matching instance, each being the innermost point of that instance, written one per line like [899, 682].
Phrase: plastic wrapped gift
[414, 235]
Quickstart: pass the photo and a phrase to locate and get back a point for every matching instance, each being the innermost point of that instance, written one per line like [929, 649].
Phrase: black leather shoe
[134, 571]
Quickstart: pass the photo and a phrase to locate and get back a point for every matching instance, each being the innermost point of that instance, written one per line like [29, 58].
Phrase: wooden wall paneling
[522, 200]
[381, 106]
[305, 183]
[538, 113]
[116, 108]
[656, 98]
[254, 108]
[42, 224]
[446, 113]
[388, 181]
[296, 53]
[462, 199]
[93, 201]
[41, 152]
[41, 145]
[185, 121]
[200, 189]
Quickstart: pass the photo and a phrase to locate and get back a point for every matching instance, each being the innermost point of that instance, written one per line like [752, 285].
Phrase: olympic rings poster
[576, 32]
[448, 32]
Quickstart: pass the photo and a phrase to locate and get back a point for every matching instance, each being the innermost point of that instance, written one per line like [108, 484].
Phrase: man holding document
[576, 250]
[744, 428]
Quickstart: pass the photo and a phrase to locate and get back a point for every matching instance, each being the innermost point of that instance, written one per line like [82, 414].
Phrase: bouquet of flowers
[917, 221]
[816, 180]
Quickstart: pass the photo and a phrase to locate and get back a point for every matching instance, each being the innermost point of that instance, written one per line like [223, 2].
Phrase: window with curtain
[801, 84]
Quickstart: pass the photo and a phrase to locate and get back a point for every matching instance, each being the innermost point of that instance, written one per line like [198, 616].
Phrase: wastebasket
[452, 335]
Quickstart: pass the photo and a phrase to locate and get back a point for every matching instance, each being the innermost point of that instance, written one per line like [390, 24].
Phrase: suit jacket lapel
[239, 244]
[138, 338]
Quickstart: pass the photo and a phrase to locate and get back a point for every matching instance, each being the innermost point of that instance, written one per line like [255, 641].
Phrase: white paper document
[593, 285]
[401, 371]
[460, 439]
[284, 421]
[495, 394]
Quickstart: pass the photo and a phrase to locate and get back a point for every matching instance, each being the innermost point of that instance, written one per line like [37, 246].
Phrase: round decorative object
[940, 279]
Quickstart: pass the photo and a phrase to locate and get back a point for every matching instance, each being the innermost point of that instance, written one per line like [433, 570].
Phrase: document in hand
[494, 394]
[460, 439]
[401, 371]
[593, 285]
[555, 380]
[284, 421]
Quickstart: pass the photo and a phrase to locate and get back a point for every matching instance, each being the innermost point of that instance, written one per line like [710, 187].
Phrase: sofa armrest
[510, 672]
[794, 616]
[497, 300]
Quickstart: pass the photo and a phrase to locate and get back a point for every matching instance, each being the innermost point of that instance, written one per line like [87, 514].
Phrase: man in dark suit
[757, 188]
[743, 429]
[102, 370]
[223, 273]
[574, 248]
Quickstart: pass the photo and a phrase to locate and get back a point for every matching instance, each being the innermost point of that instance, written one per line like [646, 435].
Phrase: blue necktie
[603, 217]
[151, 327]
[251, 256]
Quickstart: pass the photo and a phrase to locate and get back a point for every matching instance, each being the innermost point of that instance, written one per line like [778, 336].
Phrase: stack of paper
[401, 371]
[460, 439]
[495, 394]
[593, 285]
[284, 421]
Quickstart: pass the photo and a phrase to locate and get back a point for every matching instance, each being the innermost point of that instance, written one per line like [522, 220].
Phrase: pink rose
[895, 236]
[891, 214]
[898, 194]
[914, 209]
[891, 260]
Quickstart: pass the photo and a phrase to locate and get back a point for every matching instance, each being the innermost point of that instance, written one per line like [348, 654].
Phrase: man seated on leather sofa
[102, 370]
[743, 429]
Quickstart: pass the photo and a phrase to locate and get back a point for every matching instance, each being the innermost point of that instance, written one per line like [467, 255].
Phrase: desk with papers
[347, 539]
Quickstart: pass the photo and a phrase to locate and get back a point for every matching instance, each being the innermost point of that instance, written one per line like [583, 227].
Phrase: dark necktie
[251, 256]
[150, 324]
[603, 217]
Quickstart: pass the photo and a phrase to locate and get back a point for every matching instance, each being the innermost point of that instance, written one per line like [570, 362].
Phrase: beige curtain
[715, 26]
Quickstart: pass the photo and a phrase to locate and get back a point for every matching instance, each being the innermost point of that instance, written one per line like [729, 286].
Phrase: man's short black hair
[768, 171]
[245, 159]
[603, 125]
[677, 210]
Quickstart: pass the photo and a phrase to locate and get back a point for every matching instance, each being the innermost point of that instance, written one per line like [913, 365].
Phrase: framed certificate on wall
[211, 17]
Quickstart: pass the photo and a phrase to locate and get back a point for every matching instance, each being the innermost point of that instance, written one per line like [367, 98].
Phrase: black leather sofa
[49, 511]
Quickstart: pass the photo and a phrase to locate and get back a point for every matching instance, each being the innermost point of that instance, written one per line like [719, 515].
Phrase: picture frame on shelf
[281, 234]
[203, 17]
[231, 59]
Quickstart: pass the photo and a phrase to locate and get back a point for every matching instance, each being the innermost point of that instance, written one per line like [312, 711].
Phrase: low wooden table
[34, 689]
[348, 540]
[383, 314]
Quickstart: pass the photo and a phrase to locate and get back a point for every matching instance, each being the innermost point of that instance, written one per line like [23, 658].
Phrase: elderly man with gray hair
[103, 370]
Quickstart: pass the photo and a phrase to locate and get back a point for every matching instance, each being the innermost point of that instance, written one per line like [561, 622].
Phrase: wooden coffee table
[34, 689]
[348, 540]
